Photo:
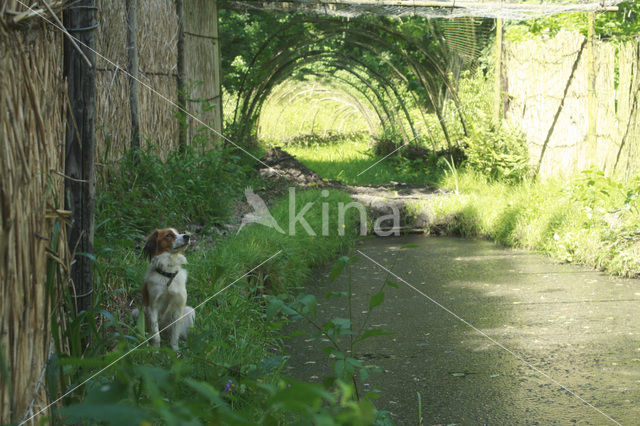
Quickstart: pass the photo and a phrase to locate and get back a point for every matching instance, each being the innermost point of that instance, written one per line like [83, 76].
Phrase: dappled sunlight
[353, 163]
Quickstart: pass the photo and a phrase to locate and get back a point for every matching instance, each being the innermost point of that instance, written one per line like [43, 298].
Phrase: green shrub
[589, 219]
[387, 142]
[500, 154]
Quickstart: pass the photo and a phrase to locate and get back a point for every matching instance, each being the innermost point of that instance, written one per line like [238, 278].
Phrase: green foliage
[311, 140]
[622, 24]
[230, 368]
[143, 192]
[389, 70]
[346, 366]
[387, 143]
[589, 219]
[595, 190]
[500, 154]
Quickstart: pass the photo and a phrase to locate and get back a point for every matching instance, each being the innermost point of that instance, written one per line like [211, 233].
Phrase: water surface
[540, 331]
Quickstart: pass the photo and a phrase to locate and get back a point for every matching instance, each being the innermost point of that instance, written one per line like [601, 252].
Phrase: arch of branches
[383, 73]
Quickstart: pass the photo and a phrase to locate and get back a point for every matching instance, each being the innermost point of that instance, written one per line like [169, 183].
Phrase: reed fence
[32, 242]
[157, 45]
[548, 84]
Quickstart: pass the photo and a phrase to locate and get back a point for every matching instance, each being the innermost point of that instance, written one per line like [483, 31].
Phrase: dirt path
[539, 326]
[378, 200]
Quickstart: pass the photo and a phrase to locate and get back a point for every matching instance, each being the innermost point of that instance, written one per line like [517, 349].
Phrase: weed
[230, 368]
[500, 154]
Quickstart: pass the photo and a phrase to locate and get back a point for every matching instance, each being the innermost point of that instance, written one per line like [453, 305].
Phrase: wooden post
[80, 21]
[498, 104]
[132, 53]
[592, 137]
[218, 122]
[182, 82]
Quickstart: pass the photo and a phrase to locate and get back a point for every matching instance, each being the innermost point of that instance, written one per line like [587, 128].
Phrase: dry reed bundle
[31, 152]
[15, 14]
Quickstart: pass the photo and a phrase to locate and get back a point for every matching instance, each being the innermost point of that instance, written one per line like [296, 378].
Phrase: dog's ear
[152, 244]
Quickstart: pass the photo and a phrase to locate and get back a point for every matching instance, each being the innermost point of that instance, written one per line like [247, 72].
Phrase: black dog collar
[170, 275]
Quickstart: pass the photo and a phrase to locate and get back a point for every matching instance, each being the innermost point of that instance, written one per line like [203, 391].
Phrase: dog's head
[165, 240]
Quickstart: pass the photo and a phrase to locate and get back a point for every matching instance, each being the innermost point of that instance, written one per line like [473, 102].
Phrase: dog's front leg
[175, 334]
[153, 320]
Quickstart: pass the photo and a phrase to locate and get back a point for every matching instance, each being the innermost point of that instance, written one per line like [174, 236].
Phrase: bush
[499, 154]
[389, 141]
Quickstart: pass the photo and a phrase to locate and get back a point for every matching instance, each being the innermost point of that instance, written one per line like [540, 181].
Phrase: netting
[508, 9]
[466, 37]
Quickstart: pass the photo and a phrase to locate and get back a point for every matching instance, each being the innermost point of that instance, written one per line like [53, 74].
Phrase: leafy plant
[595, 190]
[387, 143]
[501, 154]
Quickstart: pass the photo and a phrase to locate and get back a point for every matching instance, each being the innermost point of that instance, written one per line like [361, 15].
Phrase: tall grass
[589, 219]
[142, 192]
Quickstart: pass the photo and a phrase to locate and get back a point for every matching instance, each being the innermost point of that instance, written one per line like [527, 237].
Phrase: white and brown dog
[164, 291]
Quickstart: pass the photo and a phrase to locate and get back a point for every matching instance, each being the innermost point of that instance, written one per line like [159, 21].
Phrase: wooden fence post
[182, 83]
[132, 53]
[80, 21]
[498, 104]
[592, 137]
[218, 120]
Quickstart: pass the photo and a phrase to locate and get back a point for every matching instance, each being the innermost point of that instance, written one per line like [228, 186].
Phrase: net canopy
[508, 9]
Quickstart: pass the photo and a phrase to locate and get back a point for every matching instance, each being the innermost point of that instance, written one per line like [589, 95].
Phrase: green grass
[347, 162]
[588, 219]
[231, 367]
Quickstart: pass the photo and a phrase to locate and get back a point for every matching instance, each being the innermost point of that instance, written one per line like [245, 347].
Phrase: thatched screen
[202, 56]
[157, 31]
[157, 51]
[31, 156]
[538, 74]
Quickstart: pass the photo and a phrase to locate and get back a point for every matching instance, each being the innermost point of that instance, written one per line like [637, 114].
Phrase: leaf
[337, 268]
[310, 303]
[391, 284]
[331, 294]
[376, 300]
[341, 323]
[339, 367]
[112, 414]
[274, 308]
[372, 333]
